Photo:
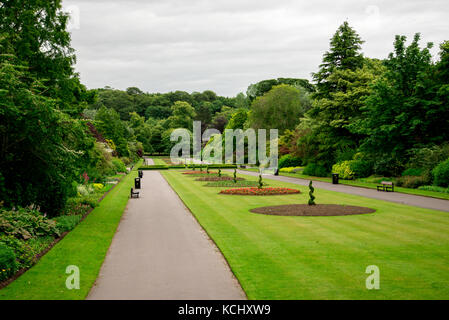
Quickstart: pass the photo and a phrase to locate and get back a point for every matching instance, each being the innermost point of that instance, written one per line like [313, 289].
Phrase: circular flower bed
[326, 210]
[254, 191]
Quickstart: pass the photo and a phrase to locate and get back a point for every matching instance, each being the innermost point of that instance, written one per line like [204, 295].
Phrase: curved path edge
[403, 198]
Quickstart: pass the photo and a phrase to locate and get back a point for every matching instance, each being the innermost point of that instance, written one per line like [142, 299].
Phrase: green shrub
[412, 172]
[119, 165]
[351, 169]
[434, 188]
[126, 161]
[67, 223]
[343, 169]
[441, 174]
[289, 161]
[8, 264]
[412, 182]
[362, 168]
[315, 170]
[84, 189]
[291, 169]
[428, 158]
[389, 166]
[80, 205]
[24, 253]
[26, 224]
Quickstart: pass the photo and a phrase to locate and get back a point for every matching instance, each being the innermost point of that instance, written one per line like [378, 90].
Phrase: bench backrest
[388, 183]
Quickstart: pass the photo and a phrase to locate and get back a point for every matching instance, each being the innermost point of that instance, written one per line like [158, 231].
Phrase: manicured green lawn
[86, 247]
[363, 184]
[324, 257]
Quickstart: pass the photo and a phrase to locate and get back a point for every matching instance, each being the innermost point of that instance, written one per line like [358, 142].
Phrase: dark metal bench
[134, 194]
[386, 186]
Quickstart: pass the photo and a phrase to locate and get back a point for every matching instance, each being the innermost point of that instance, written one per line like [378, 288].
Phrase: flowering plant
[255, 191]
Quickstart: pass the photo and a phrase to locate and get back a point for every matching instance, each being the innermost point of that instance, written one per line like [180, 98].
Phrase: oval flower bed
[254, 191]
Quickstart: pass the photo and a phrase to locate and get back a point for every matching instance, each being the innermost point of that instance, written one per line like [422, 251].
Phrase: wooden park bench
[134, 194]
[386, 186]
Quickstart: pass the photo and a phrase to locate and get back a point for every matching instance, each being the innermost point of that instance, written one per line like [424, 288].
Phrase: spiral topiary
[219, 172]
[312, 197]
[260, 181]
[235, 175]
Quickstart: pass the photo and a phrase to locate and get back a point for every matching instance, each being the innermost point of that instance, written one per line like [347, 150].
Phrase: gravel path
[161, 252]
[408, 199]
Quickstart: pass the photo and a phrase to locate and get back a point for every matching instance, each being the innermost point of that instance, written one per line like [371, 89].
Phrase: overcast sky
[225, 45]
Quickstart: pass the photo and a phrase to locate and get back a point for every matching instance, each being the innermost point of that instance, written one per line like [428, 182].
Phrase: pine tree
[344, 54]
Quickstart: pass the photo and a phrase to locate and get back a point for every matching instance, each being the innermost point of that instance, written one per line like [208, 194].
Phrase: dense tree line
[386, 117]
[46, 146]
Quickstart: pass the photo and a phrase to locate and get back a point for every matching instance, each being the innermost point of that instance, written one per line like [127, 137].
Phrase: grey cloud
[164, 45]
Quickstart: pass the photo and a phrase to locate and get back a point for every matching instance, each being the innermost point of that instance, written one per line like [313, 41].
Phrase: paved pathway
[161, 252]
[417, 201]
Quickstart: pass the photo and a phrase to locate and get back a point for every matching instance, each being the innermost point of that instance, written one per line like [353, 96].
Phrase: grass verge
[85, 246]
[324, 257]
[363, 184]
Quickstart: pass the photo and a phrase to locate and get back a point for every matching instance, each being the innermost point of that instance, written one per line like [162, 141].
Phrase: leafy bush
[411, 181]
[441, 174]
[362, 168]
[428, 158]
[67, 223]
[315, 170]
[26, 224]
[98, 186]
[85, 189]
[352, 169]
[289, 161]
[119, 165]
[80, 205]
[412, 172]
[126, 161]
[387, 165]
[8, 264]
[24, 253]
[434, 188]
[343, 169]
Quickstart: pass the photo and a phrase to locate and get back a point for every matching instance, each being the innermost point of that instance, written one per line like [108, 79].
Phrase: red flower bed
[254, 191]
